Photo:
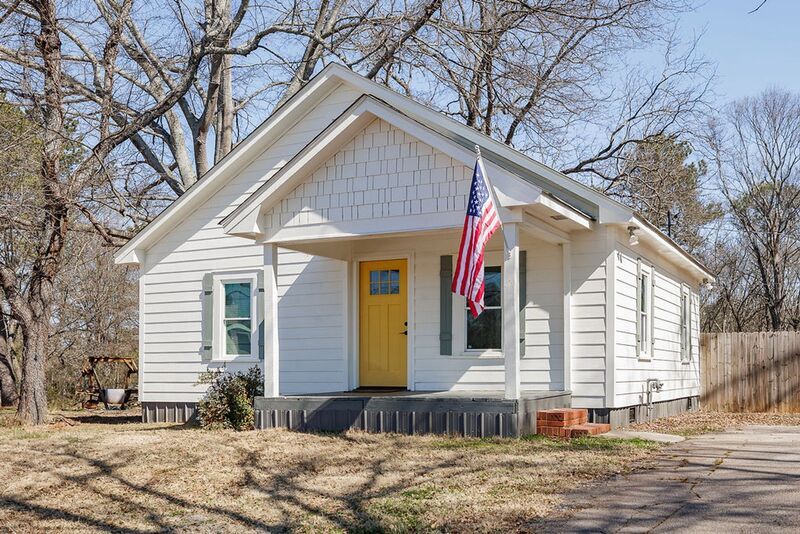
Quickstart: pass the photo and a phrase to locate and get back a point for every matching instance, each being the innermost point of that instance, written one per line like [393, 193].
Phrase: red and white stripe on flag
[481, 222]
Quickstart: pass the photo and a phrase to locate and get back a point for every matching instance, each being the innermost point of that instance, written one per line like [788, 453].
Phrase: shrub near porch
[98, 476]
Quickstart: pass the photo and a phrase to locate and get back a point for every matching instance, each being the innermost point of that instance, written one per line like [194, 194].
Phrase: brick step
[589, 429]
[562, 417]
[567, 423]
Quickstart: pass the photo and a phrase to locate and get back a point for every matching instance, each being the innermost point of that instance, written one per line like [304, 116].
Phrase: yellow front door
[383, 325]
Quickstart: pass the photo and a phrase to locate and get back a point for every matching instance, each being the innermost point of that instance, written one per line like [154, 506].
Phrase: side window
[686, 325]
[485, 332]
[232, 321]
[238, 319]
[644, 307]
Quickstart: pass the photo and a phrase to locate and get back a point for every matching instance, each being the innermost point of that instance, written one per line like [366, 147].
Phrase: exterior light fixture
[633, 240]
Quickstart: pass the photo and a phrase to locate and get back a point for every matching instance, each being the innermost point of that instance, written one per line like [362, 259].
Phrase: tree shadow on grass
[288, 487]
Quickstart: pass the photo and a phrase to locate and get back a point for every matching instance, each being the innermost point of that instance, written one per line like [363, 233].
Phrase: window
[384, 282]
[644, 308]
[237, 318]
[485, 331]
[686, 325]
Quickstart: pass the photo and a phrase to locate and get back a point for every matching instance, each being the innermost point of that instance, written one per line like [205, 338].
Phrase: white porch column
[511, 350]
[271, 368]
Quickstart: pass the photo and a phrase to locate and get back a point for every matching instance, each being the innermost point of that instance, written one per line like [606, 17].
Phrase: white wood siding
[542, 367]
[312, 326]
[590, 252]
[175, 266]
[680, 379]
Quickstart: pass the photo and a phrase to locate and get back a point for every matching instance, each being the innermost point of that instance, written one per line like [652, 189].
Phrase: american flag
[481, 222]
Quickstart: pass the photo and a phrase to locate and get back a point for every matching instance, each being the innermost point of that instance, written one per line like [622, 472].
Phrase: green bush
[228, 403]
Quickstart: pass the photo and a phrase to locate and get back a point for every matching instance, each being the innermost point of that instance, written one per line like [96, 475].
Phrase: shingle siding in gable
[381, 172]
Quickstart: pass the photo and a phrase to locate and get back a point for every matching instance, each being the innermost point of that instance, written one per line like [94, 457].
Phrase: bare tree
[756, 153]
[544, 76]
[54, 210]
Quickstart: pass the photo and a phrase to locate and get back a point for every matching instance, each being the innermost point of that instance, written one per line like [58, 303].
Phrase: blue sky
[752, 51]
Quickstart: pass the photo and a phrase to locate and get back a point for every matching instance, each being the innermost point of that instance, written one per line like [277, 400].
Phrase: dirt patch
[97, 476]
[701, 422]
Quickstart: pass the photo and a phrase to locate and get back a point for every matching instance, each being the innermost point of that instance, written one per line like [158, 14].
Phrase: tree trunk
[8, 380]
[32, 407]
[8, 369]
[224, 111]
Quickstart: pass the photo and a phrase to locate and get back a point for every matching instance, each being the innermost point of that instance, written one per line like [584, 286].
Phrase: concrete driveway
[745, 480]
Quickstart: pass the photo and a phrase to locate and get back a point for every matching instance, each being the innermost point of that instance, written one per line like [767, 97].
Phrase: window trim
[491, 259]
[219, 352]
[644, 347]
[686, 324]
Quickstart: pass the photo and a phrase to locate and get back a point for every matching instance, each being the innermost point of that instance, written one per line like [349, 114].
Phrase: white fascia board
[670, 248]
[243, 154]
[406, 224]
[565, 211]
[247, 221]
[609, 210]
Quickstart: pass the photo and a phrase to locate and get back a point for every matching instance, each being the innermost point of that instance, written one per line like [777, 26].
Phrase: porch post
[270, 333]
[511, 328]
[566, 258]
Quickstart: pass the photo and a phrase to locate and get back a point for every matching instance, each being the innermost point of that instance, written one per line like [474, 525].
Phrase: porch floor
[467, 413]
[474, 395]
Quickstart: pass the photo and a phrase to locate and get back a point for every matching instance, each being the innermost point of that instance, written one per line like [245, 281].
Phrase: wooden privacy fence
[750, 371]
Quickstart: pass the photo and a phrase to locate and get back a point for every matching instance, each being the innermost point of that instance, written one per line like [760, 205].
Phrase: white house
[321, 249]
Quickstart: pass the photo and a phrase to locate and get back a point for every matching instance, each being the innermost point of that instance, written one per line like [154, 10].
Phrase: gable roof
[577, 196]
[511, 189]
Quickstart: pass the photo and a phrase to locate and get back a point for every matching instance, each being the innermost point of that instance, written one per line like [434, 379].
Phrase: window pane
[384, 282]
[643, 294]
[493, 281]
[643, 332]
[237, 337]
[237, 300]
[485, 331]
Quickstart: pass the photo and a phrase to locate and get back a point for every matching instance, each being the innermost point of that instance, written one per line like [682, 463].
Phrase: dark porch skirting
[169, 412]
[642, 413]
[460, 413]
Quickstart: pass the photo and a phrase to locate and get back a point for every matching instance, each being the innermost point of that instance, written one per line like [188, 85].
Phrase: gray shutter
[260, 313]
[445, 306]
[523, 298]
[208, 316]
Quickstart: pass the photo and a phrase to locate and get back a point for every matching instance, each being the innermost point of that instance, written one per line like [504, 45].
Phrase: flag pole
[491, 192]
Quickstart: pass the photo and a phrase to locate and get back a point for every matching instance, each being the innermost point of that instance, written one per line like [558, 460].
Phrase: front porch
[460, 413]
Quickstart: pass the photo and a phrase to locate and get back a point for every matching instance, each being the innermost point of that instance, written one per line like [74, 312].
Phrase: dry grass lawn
[701, 422]
[88, 473]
